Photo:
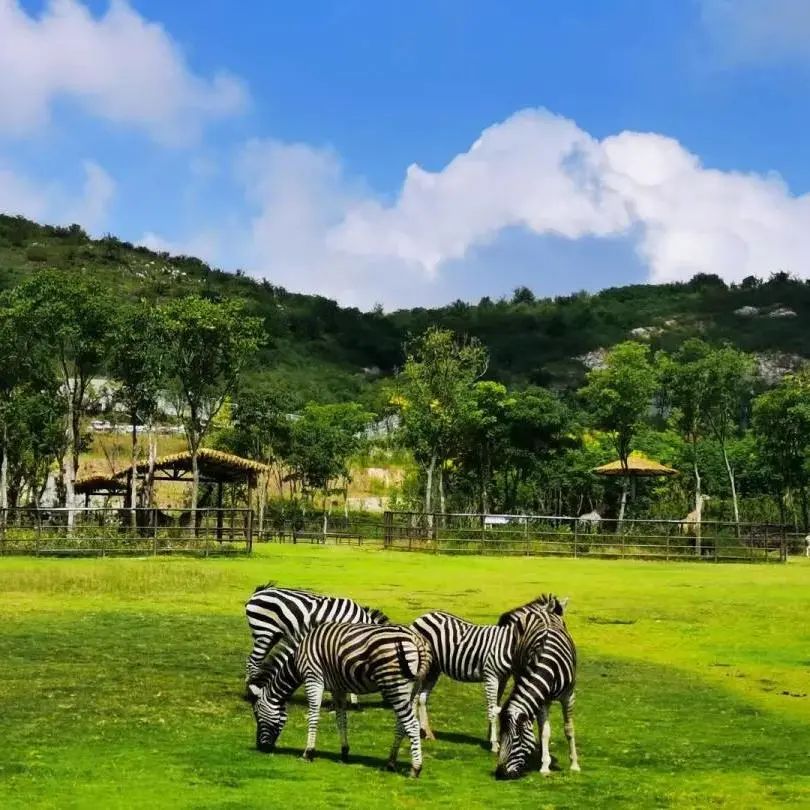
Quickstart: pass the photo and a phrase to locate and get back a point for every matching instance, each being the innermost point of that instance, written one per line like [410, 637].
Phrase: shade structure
[638, 465]
[214, 467]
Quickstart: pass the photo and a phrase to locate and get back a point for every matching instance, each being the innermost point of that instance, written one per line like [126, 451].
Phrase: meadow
[121, 684]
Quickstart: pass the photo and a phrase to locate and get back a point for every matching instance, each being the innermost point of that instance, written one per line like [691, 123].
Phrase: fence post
[250, 531]
[576, 532]
[154, 532]
[388, 528]
[325, 527]
[623, 541]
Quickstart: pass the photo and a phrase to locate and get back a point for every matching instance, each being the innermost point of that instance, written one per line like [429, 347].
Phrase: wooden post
[249, 531]
[219, 511]
[388, 528]
[251, 490]
[576, 532]
[154, 531]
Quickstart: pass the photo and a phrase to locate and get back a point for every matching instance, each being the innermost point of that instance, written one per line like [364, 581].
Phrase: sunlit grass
[121, 684]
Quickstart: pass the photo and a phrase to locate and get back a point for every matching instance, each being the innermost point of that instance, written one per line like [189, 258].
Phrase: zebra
[466, 652]
[276, 614]
[474, 653]
[340, 657]
[544, 670]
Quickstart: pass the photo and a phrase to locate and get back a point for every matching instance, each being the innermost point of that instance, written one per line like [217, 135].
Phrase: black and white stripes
[345, 658]
[276, 614]
[544, 669]
[466, 652]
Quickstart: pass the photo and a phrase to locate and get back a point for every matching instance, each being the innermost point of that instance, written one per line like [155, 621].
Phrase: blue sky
[328, 146]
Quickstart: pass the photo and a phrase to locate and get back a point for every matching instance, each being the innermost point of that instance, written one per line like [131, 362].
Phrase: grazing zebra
[466, 652]
[544, 670]
[342, 657]
[543, 607]
[276, 614]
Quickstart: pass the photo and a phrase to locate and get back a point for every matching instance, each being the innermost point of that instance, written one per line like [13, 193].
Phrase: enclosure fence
[119, 532]
[545, 535]
[116, 532]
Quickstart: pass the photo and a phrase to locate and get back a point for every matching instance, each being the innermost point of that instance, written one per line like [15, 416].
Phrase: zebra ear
[254, 692]
[564, 604]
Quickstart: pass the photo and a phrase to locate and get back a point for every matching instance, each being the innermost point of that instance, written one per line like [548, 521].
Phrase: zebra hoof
[415, 772]
[575, 767]
[495, 747]
[344, 753]
[308, 755]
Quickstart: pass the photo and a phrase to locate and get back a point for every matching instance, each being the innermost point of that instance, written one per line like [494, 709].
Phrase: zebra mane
[264, 587]
[377, 616]
[545, 601]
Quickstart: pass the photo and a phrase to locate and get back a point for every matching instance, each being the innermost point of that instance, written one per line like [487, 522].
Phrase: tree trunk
[4, 481]
[733, 486]
[262, 503]
[195, 487]
[70, 466]
[133, 477]
[623, 504]
[698, 501]
[429, 484]
[441, 488]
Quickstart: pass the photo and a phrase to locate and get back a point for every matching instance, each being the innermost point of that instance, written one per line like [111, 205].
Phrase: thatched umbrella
[638, 466]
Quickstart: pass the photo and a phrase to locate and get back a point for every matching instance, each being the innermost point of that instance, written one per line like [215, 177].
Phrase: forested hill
[327, 352]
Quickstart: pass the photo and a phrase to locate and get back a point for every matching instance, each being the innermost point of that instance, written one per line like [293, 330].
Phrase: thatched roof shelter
[100, 485]
[215, 467]
[638, 465]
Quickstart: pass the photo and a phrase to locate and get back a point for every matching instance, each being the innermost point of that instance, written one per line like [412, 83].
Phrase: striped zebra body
[544, 608]
[343, 658]
[282, 614]
[466, 652]
[544, 669]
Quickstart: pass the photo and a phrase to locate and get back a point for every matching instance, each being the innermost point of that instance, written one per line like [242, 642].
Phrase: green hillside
[327, 352]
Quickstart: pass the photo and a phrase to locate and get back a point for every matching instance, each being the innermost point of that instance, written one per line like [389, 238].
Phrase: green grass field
[121, 685]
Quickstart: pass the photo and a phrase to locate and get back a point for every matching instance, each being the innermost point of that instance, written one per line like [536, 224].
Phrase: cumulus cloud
[54, 203]
[759, 30]
[312, 227]
[118, 66]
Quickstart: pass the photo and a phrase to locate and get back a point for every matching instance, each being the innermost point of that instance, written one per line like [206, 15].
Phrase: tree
[261, 429]
[71, 319]
[138, 359]
[728, 382]
[781, 419]
[619, 397]
[685, 380]
[435, 389]
[323, 440]
[209, 346]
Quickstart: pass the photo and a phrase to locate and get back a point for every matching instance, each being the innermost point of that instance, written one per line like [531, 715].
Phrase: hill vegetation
[330, 353]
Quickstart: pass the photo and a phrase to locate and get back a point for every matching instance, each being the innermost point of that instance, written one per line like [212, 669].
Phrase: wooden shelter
[214, 466]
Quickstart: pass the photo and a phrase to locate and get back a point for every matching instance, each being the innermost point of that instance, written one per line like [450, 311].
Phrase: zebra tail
[402, 660]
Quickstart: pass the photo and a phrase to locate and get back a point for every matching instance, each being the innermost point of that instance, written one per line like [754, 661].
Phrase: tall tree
[728, 386]
[323, 439]
[685, 380]
[781, 421]
[209, 346]
[138, 359]
[435, 390]
[619, 397]
[71, 316]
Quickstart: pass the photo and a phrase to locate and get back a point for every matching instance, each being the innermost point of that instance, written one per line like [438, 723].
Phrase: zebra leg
[314, 690]
[421, 705]
[568, 719]
[545, 736]
[342, 725]
[492, 689]
[406, 724]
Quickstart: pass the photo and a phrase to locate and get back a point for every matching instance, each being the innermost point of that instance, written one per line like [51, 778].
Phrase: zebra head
[516, 743]
[270, 714]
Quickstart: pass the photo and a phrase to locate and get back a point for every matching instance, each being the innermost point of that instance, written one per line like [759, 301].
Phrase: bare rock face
[772, 366]
[747, 312]
[594, 359]
[645, 332]
[782, 312]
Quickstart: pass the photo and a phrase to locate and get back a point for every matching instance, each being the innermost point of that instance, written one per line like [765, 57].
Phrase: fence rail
[546, 535]
[119, 532]
[108, 532]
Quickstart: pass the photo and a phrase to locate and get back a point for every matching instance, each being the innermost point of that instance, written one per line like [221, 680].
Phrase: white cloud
[749, 31]
[56, 204]
[118, 66]
[313, 228]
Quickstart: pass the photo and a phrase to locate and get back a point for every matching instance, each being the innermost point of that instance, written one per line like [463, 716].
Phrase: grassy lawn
[121, 685]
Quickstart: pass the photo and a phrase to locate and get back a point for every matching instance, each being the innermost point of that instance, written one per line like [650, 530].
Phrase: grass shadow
[461, 739]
